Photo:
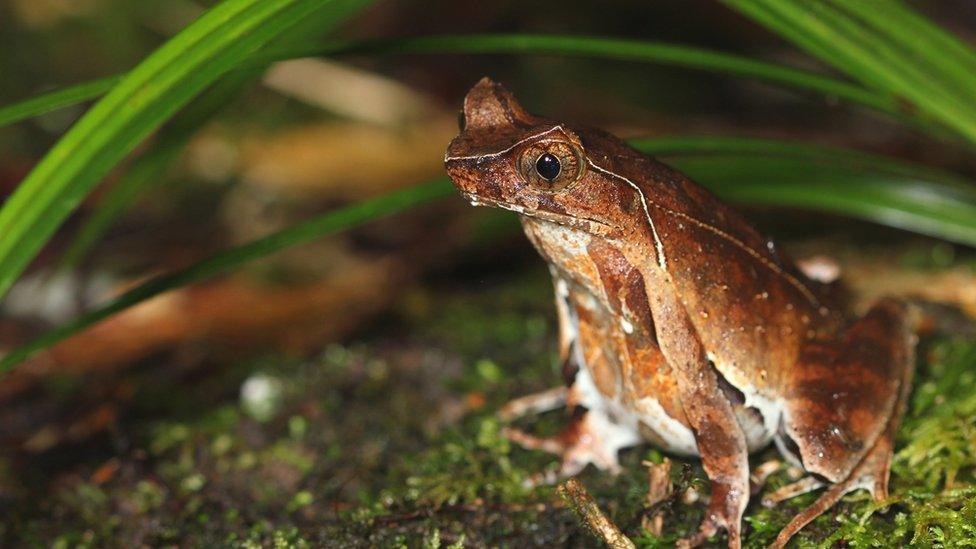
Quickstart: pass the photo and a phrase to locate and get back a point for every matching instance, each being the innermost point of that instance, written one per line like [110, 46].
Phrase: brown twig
[659, 492]
[599, 525]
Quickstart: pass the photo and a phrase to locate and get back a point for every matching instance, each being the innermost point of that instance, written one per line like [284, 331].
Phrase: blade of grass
[920, 27]
[933, 46]
[877, 60]
[579, 46]
[57, 99]
[317, 227]
[943, 211]
[805, 38]
[800, 25]
[148, 95]
[141, 174]
[917, 75]
[611, 48]
[690, 146]
[747, 171]
[150, 165]
[172, 139]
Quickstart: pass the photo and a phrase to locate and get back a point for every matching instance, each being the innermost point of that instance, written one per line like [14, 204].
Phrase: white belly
[622, 424]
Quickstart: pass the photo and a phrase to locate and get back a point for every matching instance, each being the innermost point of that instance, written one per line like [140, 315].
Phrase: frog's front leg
[720, 439]
[550, 399]
[591, 436]
[594, 434]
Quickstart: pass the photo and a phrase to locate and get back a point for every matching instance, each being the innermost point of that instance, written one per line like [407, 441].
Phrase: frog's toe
[536, 403]
[761, 474]
[870, 474]
[792, 490]
[575, 457]
[553, 445]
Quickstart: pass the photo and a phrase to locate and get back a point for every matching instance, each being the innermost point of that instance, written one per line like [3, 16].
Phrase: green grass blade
[875, 50]
[828, 179]
[151, 165]
[344, 218]
[823, 155]
[938, 50]
[172, 139]
[57, 99]
[616, 49]
[803, 35]
[144, 171]
[148, 95]
[597, 48]
[908, 72]
[934, 209]
[748, 171]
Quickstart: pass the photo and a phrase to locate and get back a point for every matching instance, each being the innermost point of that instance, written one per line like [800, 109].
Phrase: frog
[681, 325]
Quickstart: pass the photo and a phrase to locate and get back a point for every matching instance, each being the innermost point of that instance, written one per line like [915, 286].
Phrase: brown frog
[682, 326]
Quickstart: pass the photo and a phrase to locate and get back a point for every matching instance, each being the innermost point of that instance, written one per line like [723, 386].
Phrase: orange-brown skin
[693, 328]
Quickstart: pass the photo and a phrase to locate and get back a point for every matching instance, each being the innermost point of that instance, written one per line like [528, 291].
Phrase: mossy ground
[392, 441]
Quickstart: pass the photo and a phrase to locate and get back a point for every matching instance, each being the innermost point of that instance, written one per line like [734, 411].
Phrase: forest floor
[392, 440]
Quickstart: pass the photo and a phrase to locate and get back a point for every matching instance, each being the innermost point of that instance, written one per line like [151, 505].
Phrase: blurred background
[343, 391]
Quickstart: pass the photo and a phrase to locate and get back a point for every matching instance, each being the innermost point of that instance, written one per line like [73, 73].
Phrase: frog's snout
[459, 170]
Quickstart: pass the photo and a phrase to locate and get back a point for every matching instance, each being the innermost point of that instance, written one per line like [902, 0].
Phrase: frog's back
[751, 306]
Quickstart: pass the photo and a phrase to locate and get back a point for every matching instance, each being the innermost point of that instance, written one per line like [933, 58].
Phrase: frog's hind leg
[720, 438]
[845, 404]
[871, 474]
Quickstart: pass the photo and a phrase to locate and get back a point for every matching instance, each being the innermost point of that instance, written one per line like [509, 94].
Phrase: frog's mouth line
[582, 223]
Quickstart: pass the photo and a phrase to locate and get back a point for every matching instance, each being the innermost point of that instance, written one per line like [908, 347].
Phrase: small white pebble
[261, 396]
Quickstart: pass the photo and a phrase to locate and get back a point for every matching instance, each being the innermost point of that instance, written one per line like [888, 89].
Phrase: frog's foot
[761, 474]
[578, 445]
[590, 437]
[724, 512]
[534, 404]
[870, 474]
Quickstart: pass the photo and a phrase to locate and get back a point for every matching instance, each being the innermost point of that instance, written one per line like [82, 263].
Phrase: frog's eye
[551, 166]
[547, 166]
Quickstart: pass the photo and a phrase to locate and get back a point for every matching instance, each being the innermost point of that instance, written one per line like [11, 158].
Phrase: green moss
[393, 442]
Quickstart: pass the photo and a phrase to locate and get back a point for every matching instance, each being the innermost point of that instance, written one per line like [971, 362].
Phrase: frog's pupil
[548, 167]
